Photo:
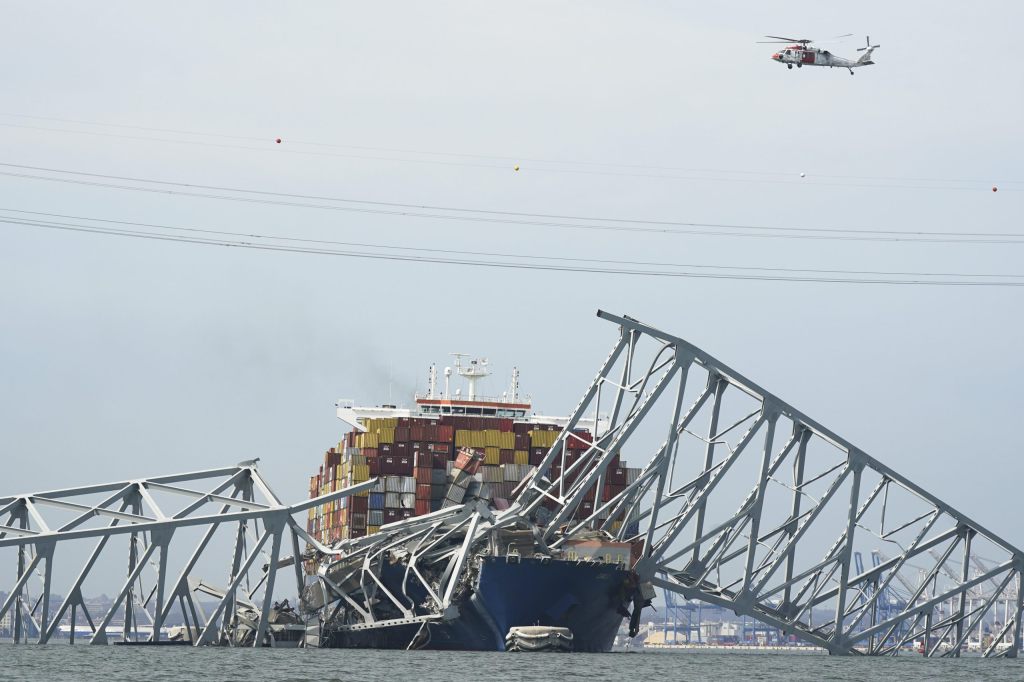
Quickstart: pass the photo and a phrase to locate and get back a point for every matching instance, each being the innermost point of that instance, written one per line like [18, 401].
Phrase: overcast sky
[126, 357]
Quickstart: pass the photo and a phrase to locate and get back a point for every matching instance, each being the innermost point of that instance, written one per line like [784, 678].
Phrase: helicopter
[800, 52]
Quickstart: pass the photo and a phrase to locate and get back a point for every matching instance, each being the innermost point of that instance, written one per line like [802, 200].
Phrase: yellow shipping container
[492, 456]
[371, 439]
[370, 530]
[462, 438]
[492, 438]
[543, 439]
[521, 457]
[360, 473]
[479, 439]
[387, 435]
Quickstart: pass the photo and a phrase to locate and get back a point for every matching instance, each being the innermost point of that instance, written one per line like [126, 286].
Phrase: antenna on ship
[447, 378]
[432, 381]
[476, 370]
[514, 388]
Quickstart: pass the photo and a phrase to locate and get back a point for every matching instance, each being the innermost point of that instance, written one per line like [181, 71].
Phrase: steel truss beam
[712, 516]
[760, 560]
[129, 508]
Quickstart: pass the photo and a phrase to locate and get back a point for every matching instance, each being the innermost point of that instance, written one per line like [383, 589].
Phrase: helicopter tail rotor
[867, 45]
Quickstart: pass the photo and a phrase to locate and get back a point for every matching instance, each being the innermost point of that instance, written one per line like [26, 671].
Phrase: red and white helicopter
[799, 52]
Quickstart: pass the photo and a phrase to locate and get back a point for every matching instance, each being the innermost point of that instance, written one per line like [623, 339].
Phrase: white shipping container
[408, 484]
[408, 500]
[393, 484]
[392, 500]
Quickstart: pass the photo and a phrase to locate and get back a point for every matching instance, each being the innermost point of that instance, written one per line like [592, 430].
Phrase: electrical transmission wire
[472, 258]
[504, 159]
[509, 217]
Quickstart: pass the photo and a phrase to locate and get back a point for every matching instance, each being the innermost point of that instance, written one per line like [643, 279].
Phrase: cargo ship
[436, 548]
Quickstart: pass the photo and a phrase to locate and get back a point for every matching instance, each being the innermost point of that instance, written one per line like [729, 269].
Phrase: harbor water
[48, 663]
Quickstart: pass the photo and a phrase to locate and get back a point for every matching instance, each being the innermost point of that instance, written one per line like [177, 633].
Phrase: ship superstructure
[413, 451]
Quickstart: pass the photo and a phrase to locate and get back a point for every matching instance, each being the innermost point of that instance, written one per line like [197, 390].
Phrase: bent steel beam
[36, 535]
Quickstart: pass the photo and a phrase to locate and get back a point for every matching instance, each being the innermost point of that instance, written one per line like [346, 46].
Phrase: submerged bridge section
[750, 504]
[746, 503]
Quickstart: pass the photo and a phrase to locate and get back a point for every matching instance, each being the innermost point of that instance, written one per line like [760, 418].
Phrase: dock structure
[746, 503]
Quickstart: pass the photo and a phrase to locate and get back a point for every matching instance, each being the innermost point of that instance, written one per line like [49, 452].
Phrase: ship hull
[583, 597]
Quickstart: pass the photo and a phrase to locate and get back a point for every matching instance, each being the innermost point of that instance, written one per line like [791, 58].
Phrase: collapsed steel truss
[237, 495]
[720, 521]
[716, 517]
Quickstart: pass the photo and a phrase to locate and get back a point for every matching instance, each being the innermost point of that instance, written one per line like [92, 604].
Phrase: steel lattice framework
[233, 496]
[721, 520]
[746, 503]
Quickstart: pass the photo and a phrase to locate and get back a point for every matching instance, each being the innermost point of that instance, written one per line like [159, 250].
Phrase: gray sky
[125, 358]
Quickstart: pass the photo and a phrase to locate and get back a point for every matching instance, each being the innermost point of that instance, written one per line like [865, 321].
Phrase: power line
[518, 218]
[451, 259]
[505, 159]
[617, 262]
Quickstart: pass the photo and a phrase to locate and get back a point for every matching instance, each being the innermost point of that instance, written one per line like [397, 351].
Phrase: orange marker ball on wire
[278, 140]
[995, 189]
[515, 168]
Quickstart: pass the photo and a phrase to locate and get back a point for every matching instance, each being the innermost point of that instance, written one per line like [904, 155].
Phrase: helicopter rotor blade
[791, 40]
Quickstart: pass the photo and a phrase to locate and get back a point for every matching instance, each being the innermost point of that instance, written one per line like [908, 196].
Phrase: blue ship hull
[583, 597]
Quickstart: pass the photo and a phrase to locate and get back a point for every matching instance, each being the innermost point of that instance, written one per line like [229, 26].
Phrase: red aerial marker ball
[995, 189]
[278, 140]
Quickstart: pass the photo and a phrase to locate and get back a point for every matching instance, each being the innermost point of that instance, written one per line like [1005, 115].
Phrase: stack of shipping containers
[425, 463]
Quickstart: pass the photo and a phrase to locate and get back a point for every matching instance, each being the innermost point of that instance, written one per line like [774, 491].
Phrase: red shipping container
[404, 421]
[579, 440]
[422, 506]
[445, 433]
[522, 427]
[370, 453]
[418, 446]
[392, 515]
[424, 476]
[402, 448]
[465, 459]
[387, 464]
[422, 460]
[374, 466]
[402, 433]
[407, 513]
[403, 465]
[611, 490]
[386, 449]
[422, 491]
[357, 532]
[616, 475]
[522, 441]
[585, 509]
[357, 505]
[439, 460]
[504, 424]
[506, 457]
